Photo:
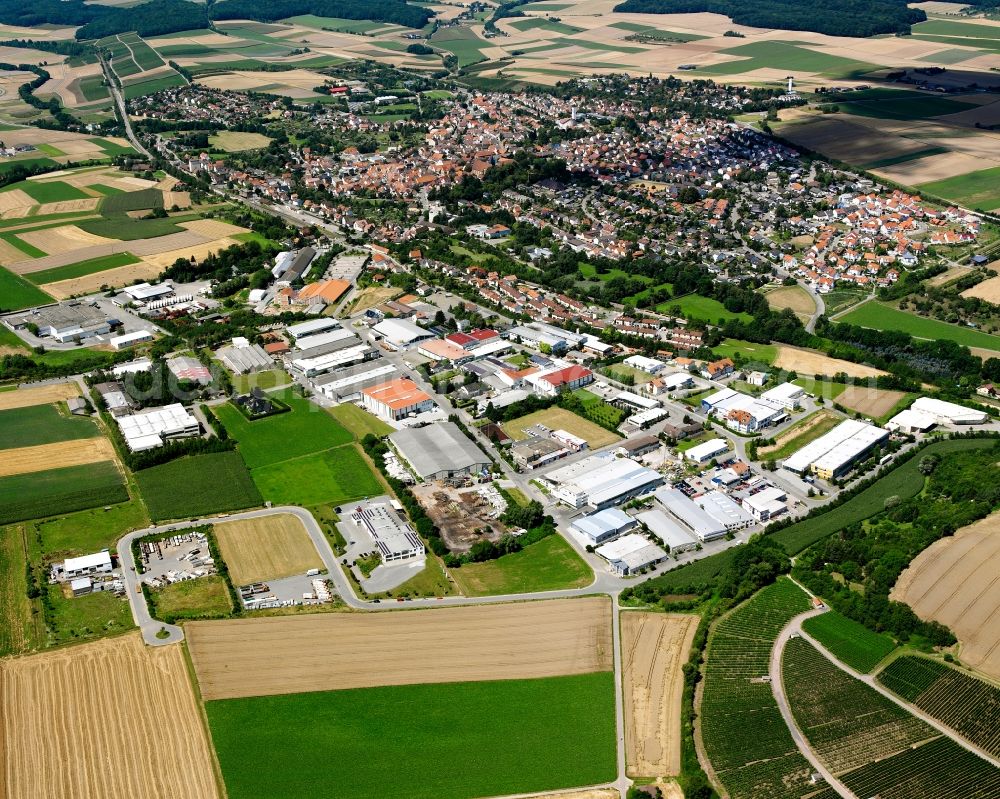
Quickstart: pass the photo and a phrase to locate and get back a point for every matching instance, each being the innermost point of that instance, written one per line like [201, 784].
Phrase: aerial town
[464, 400]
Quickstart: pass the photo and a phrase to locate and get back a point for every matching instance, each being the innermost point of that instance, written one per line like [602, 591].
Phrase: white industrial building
[724, 510]
[704, 526]
[602, 481]
[154, 427]
[644, 364]
[603, 526]
[644, 419]
[348, 383]
[399, 333]
[127, 340]
[635, 402]
[317, 343]
[676, 381]
[439, 451]
[911, 421]
[674, 536]
[832, 454]
[760, 412]
[766, 504]
[311, 328]
[787, 395]
[948, 412]
[84, 566]
[708, 450]
[393, 538]
[321, 364]
[242, 357]
[630, 554]
[145, 292]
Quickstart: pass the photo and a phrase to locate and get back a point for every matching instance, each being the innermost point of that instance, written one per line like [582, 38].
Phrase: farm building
[702, 524]
[948, 412]
[833, 454]
[787, 395]
[537, 451]
[674, 536]
[242, 357]
[708, 450]
[911, 421]
[399, 333]
[603, 525]
[396, 399]
[602, 481]
[630, 554]
[393, 538]
[127, 340]
[154, 427]
[766, 504]
[83, 566]
[724, 510]
[439, 451]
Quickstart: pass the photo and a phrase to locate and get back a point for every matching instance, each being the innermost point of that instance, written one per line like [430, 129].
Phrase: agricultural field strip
[266, 548]
[907, 706]
[42, 395]
[25, 460]
[453, 644]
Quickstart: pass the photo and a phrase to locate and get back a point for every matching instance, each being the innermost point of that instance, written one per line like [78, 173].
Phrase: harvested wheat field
[112, 278]
[60, 240]
[591, 793]
[196, 251]
[266, 548]
[654, 648]
[212, 228]
[954, 581]
[109, 719]
[43, 395]
[988, 290]
[24, 460]
[293, 654]
[809, 363]
[871, 401]
[795, 299]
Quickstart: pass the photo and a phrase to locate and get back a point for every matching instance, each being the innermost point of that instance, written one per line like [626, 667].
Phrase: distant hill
[158, 17]
[832, 17]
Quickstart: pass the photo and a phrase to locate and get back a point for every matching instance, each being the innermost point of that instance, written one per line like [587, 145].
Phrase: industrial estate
[581, 399]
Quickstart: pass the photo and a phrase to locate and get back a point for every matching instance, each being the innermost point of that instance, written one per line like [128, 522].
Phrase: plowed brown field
[266, 548]
[109, 719]
[293, 654]
[24, 460]
[870, 401]
[956, 581]
[24, 397]
[654, 648]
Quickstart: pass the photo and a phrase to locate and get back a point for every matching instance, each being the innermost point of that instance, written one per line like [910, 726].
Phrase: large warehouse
[602, 481]
[152, 428]
[948, 412]
[702, 525]
[439, 451]
[833, 454]
[396, 399]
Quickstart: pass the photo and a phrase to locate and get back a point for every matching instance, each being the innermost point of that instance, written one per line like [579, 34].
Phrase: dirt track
[266, 548]
[654, 648]
[954, 581]
[43, 395]
[109, 719]
[24, 460]
[292, 654]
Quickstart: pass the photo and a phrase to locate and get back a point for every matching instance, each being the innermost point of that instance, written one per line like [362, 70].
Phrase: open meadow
[953, 581]
[880, 316]
[547, 565]
[266, 548]
[73, 720]
[654, 648]
[212, 483]
[454, 644]
[794, 298]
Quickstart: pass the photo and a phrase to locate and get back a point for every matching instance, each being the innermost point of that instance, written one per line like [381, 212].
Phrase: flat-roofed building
[327, 341]
[154, 427]
[185, 367]
[704, 526]
[634, 402]
[631, 554]
[439, 451]
[86, 566]
[66, 321]
[393, 537]
[397, 398]
[603, 525]
[787, 395]
[766, 504]
[638, 446]
[674, 536]
[348, 383]
[400, 333]
[834, 453]
[537, 451]
[242, 357]
[444, 350]
[602, 481]
[724, 510]
[949, 412]
[707, 450]
[311, 328]
[644, 364]
[321, 364]
[127, 340]
[570, 441]
[911, 421]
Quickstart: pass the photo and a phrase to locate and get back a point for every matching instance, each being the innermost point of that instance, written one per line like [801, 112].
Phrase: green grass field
[125, 228]
[850, 642]
[82, 268]
[93, 89]
[880, 316]
[42, 424]
[206, 597]
[197, 485]
[91, 530]
[975, 189]
[786, 56]
[51, 191]
[694, 306]
[17, 293]
[547, 565]
[453, 741]
[122, 202]
[751, 351]
[263, 380]
[916, 106]
[334, 476]
[28, 249]
[462, 42]
[57, 491]
[822, 422]
[305, 429]
[158, 84]
[540, 23]
[359, 421]
[82, 618]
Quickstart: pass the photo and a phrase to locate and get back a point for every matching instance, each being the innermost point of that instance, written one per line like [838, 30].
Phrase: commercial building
[145, 292]
[911, 421]
[602, 481]
[753, 413]
[311, 328]
[347, 384]
[787, 395]
[629, 400]
[674, 536]
[127, 340]
[439, 451]
[328, 362]
[327, 341]
[154, 427]
[396, 399]
[67, 321]
[555, 343]
[644, 364]
[84, 566]
[399, 333]
[834, 453]
[640, 421]
[444, 350]
[669, 383]
[702, 525]
[638, 446]
[393, 538]
[473, 339]
[948, 412]
[537, 451]
[557, 381]
[724, 510]
[766, 504]
[603, 525]
[242, 357]
[185, 367]
[708, 450]
[631, 554]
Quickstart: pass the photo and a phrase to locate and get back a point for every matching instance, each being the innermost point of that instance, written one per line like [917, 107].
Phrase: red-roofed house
[567, 379]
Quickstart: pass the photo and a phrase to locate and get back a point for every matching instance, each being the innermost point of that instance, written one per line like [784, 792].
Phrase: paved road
[122, 108]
